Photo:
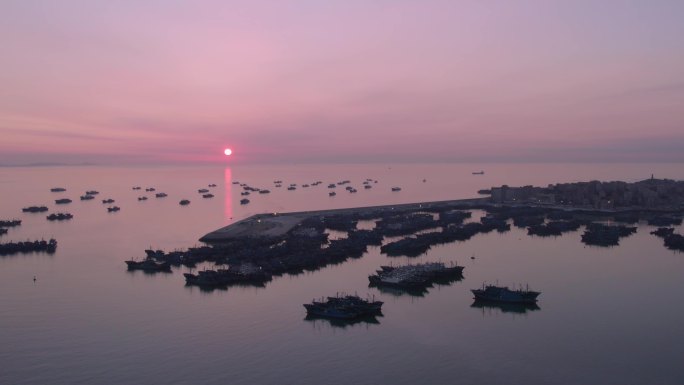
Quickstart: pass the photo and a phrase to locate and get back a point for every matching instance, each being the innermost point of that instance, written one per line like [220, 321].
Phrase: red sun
[228, 151]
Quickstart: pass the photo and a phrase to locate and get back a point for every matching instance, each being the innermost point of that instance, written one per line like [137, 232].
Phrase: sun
[228, 151]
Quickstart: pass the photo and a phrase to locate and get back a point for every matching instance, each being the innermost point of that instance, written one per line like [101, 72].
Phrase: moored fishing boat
[148, 265]
[344, 307]
[504, 294]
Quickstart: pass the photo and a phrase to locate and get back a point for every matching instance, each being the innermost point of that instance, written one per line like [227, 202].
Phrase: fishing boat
[344, 307]
[148, 265]
[504, 294]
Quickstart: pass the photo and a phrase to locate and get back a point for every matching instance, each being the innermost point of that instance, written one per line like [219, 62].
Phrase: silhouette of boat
[108, 201]
[506, 307]
[244, 201]
[396, 188]
[184, 202]
[57, 189]
[148, 265]
[504, 294]
[478, 172]
[207, 195]
[344, 307]
[59, 217]
[62, 201]
[34, 209]
[113, 209]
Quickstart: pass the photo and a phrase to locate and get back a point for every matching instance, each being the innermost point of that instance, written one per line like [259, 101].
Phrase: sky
[171, 81]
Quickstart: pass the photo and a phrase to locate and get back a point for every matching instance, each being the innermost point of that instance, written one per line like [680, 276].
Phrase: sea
[606, 315]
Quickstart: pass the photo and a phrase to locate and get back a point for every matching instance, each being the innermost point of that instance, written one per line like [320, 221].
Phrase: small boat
[504, 294]
[207, 195]
[92, 192]
[113, 209]
[59, 217]
[212, 185]
[184, 202]
[264, 191]
[332, 193]
[396, 188]
[150, 189]
[478, 172]
[87, 197]
[292, 188]
[57, 189]
[149, 265]
[62, 201]
[202, 191]
[245, 193]
[160, 195]
[34, 209]
[244, 201]
[108, 201]
[367, 186]
[136, 187]
[142, 198]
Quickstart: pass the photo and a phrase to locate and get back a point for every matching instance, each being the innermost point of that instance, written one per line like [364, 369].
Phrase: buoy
[34, 278]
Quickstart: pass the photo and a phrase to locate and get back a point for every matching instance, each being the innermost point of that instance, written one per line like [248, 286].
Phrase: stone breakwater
[276, 225]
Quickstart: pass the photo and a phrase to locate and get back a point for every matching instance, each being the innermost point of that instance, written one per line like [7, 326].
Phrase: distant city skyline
[160, 82]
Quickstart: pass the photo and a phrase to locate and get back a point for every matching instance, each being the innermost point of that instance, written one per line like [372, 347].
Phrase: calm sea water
[606, 315]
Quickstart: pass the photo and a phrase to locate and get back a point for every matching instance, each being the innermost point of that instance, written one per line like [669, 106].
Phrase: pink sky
[165, 81]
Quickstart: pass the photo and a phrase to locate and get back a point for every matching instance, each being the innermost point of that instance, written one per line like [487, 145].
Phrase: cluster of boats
[28, 247]
[148, 265]
[245, 273]
[10, 223]
[598, 234]
[416, 277]
[59, 217]
[671, 240]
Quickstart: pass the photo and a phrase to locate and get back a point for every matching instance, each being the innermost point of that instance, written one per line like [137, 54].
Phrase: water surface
[606, 315]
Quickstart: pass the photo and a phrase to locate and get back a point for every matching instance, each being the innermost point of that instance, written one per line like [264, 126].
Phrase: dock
[278, 224]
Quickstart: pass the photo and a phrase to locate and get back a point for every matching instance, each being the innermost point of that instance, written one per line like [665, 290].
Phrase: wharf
[278, 224]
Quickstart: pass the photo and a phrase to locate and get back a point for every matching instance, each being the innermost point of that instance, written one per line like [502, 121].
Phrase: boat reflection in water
[398, 292]
[505, 307]
[343, 323]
